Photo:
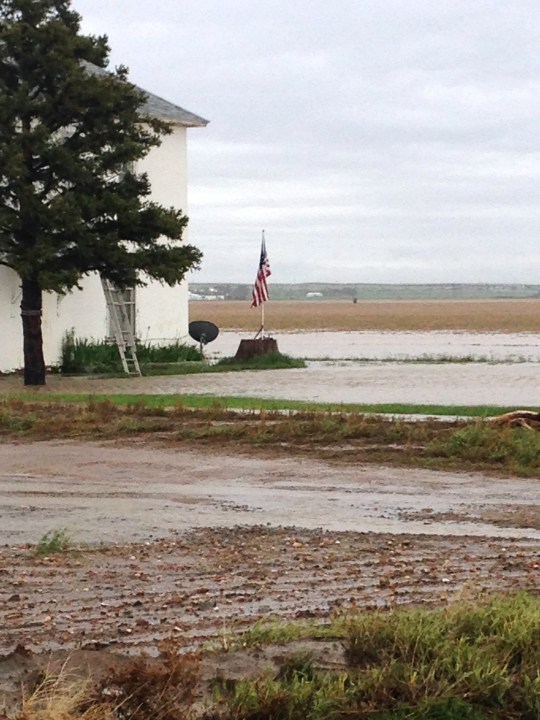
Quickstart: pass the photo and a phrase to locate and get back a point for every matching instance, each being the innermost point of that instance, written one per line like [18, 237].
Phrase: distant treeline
[367, 291]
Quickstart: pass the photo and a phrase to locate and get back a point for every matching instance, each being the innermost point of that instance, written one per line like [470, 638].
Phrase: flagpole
[261, 331]
[260, 289]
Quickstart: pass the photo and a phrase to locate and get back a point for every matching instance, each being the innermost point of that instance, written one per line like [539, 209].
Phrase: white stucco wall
[162, 312]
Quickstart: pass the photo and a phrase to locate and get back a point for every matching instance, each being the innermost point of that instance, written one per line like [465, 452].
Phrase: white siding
[162, 312]
[10, 323]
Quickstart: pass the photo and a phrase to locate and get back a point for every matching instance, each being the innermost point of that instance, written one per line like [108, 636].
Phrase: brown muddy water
[384, 346]
[397, 367]
[390, 367]
[502, 384]
[108, 493]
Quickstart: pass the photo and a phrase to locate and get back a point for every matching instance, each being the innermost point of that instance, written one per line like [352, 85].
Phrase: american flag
[260, 289]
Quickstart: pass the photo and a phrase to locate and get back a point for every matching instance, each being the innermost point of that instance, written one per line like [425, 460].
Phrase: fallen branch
[518, 418]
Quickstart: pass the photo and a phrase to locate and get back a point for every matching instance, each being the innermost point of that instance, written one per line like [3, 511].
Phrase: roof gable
[158, 107]
[165, 110]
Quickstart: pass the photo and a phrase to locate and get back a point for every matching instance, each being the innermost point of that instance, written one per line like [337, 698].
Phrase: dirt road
[314, 538]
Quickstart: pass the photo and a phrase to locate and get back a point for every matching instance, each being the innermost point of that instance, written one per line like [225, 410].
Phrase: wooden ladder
[123, 332]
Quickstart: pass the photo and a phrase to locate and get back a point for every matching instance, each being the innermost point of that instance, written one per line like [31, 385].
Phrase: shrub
[81, 356]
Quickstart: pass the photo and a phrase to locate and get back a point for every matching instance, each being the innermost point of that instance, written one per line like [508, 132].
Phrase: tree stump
[252, 348]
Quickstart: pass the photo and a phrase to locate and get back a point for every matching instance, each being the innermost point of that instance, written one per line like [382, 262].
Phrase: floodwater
[371, 345]
[105, 493]
[501, 369]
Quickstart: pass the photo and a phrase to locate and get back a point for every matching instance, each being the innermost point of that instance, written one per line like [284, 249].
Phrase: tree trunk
[31, 303]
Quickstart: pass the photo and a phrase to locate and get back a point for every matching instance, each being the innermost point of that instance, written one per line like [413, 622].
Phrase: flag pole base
[258, 346]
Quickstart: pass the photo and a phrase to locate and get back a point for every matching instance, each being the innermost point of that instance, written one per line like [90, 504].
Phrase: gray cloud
[374, 141]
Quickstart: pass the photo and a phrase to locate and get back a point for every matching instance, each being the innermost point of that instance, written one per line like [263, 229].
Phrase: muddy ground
[194, 544]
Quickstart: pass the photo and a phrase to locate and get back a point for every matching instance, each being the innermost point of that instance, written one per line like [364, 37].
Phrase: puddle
[126, 494]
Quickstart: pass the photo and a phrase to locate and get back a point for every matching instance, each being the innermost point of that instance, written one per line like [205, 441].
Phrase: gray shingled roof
[165, 110]
[158, 107]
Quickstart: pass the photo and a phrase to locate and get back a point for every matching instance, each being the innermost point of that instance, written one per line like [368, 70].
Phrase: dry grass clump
[143, 689]
[61, 697]
[42, 420]
[147, 690]
[472, 315]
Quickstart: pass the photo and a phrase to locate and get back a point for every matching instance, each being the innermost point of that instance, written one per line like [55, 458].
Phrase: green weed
[252, 403]
[517, 449]
[53, 542]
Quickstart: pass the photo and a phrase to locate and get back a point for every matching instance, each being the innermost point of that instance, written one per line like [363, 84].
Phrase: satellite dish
[203, 332]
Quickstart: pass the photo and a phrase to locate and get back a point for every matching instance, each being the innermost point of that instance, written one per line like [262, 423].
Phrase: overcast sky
[373, 140]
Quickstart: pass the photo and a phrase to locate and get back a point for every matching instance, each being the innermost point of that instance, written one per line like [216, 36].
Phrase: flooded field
[386, 345]
[403, 368]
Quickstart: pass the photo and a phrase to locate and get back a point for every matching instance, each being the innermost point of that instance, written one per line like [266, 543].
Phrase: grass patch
[464, 662]
[87, 357]
[481, 443]
[232, 402]
[271, 361]
[426, 360]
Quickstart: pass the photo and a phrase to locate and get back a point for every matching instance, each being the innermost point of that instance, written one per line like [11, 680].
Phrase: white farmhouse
[158, 312]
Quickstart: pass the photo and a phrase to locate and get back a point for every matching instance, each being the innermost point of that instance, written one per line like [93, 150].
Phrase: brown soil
[475, 315]
[200, 584]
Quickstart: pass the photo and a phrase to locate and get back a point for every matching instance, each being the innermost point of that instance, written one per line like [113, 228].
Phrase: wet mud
[200, 584]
